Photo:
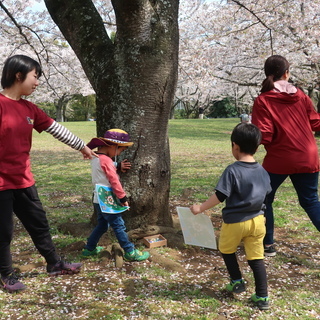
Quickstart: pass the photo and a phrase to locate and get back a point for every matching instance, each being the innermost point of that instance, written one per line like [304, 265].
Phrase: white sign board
[197, 229]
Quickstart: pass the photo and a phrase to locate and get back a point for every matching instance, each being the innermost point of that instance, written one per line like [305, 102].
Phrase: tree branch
[19, 27]
[243, 84]
[256, 16]
[24, 36]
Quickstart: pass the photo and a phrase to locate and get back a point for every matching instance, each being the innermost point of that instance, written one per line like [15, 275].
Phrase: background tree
[81, 108]
[190, 102]
[224, 108]
[134, 79]
[24, 31]
[223, 45]
[48, 108]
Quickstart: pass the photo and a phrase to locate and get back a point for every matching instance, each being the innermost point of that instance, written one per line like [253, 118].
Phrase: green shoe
[236, 286]
[136, 255]
[94, 252]
[261, 303]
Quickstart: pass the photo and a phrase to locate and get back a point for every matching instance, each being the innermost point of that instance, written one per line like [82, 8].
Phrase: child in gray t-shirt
[244, 185]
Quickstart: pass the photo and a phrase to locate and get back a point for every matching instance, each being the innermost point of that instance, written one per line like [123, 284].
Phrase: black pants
[28, 208]
[258, 268]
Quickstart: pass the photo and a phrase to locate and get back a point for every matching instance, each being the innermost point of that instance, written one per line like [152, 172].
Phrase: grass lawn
[192, 288]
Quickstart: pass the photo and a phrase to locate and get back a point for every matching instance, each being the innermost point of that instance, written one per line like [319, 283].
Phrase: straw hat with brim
[111, 137]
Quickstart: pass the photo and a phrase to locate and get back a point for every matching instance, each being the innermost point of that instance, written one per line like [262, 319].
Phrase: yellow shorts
[251, 232]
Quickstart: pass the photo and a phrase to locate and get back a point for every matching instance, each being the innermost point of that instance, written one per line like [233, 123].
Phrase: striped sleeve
[64, 135]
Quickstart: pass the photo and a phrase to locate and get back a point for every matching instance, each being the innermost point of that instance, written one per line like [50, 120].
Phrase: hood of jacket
[283, 97]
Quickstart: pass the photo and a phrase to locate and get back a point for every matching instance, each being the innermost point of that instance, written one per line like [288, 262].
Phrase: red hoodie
[287, 122]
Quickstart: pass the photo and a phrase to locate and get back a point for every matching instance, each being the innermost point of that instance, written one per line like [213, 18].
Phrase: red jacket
[287, 122]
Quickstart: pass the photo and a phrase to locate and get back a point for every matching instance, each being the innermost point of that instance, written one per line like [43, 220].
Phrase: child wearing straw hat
[104, 173]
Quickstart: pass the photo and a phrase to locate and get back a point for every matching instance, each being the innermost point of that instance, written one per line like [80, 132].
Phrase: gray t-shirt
[245, 185]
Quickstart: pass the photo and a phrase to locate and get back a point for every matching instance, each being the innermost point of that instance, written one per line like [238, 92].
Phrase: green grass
[200, 150]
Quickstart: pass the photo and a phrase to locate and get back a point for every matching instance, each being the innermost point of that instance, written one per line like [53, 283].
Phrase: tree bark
[134, 78]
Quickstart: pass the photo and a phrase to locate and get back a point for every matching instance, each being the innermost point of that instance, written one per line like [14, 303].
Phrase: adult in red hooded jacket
[287, 119]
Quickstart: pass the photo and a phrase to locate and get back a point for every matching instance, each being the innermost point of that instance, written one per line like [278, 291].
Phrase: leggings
[258, 268]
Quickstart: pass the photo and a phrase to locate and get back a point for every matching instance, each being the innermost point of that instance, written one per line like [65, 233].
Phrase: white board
[197, 229]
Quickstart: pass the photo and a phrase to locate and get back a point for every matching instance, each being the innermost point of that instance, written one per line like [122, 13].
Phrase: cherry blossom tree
[25, 31]
[223, 45]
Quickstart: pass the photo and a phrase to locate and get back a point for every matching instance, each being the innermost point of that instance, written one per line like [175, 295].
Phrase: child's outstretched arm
[211, 202]
[64, 135]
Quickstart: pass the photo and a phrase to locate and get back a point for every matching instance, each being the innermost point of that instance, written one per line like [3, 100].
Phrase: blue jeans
[306, 186]
[116, 222]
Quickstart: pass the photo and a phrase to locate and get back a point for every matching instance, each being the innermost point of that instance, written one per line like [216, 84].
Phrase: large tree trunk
[134, 79]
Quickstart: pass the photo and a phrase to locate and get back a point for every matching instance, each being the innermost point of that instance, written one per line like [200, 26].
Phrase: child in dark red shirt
[18, 194]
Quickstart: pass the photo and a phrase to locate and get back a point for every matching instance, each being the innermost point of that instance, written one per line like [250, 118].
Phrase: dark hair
[247, 136]
[18, 64]
[274, 68]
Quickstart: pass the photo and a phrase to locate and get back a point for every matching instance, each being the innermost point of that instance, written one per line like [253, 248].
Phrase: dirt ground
[191, 262]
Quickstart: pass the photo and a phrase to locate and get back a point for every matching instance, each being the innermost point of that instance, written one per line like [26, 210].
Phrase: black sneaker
[261, 303]
[63, 267]
[269, 251]
[11, 283]
[236, 286]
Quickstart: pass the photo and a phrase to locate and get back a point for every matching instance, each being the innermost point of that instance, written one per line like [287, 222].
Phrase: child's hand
[125, 204]
[195, 209]
[125, 165]
[88, 153]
